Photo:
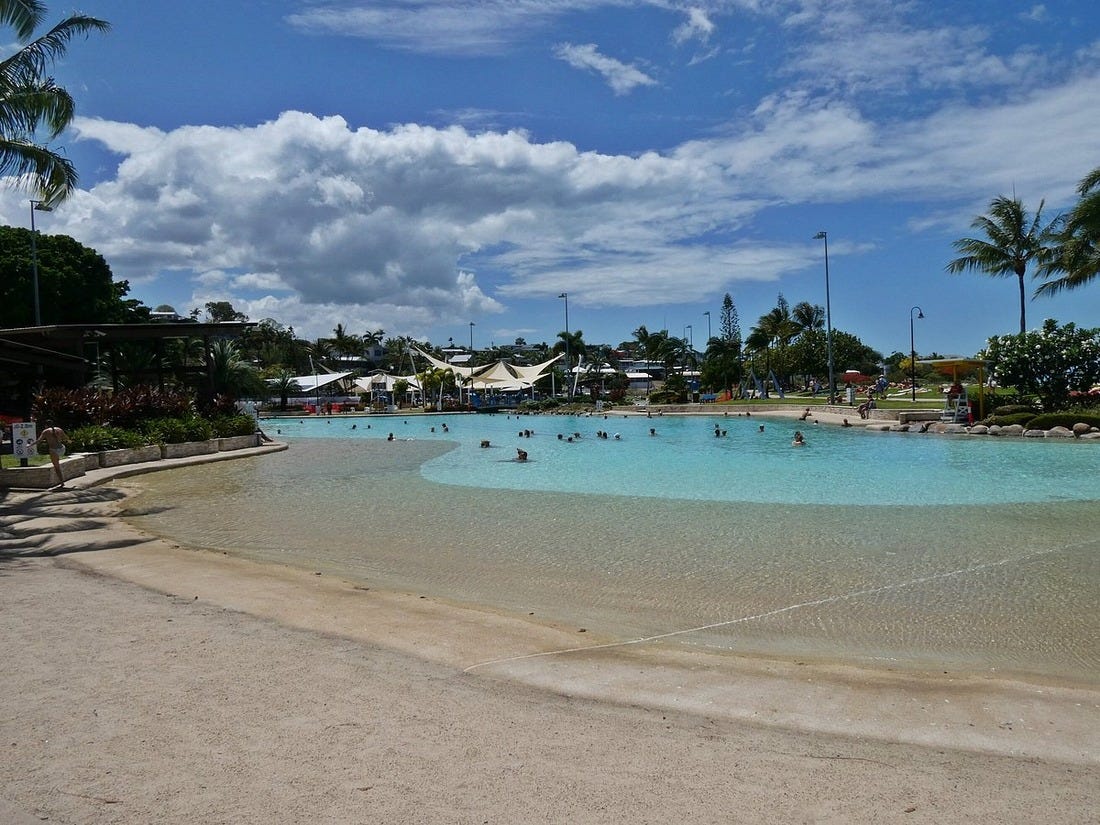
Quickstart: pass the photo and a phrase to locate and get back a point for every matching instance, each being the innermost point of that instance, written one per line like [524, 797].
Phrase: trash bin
[850, 392]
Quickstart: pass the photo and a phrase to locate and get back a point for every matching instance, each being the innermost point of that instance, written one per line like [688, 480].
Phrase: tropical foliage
[74, 281]
[1075, 261]
[33, 108]
[1051, 363]
[71, 408]
[1012, 244]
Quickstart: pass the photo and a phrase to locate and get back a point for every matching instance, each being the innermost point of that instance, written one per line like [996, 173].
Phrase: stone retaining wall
[189, 448]
[132, 455]
[41, 476]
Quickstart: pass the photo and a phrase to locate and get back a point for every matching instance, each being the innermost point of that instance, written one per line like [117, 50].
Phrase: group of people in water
[799, 439]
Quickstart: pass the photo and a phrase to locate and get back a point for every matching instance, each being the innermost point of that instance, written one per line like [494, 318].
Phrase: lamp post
[687, 335]
[707, 313]
[824, 236]
[913, 351]
[39, 206]
[568, 386]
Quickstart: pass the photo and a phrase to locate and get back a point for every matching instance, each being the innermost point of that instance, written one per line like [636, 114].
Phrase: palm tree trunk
[1023, 299]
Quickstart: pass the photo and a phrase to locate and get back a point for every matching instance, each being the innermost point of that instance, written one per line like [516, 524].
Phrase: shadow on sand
[59, 522]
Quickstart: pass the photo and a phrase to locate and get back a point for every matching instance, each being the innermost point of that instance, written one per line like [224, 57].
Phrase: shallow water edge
[991, 589]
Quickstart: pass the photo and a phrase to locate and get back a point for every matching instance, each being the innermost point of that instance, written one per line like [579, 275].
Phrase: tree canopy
[1050, 363]
[74, 283]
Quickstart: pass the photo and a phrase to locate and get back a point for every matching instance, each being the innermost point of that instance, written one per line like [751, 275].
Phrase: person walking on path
[55, 439]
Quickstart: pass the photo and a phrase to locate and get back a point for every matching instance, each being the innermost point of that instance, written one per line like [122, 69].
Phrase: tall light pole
[824, 236]
[40, 206]
[568, 386]
[707, 313]
[687, 335]
[913, 351]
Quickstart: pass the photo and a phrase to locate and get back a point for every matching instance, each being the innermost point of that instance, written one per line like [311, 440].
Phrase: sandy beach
[147, 682]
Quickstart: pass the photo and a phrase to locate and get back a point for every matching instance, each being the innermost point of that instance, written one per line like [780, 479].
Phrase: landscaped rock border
[1080, 431]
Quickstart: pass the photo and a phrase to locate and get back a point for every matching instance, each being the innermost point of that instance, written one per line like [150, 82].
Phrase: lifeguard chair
[956, 408]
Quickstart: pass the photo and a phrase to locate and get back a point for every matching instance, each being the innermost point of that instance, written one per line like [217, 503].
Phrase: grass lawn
[7, 461]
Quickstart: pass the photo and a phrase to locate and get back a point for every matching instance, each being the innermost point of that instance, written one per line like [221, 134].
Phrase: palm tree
[1012, 243]
[760, 341]
[31, 103]
[650, 344]
[321, 350]
[573, 344]
[229, 374]
[345, 343]
[284, 384]
[372, 340]
[775, 328]
[808, 316]
[1077, 253]
[722, 365]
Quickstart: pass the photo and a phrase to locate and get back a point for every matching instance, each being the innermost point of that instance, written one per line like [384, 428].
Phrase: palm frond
[22, 15]
[52, 176]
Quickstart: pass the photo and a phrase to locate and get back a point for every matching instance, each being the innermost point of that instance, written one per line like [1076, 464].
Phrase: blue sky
[415, 165]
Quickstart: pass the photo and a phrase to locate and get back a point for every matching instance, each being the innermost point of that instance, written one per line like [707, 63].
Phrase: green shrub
[178, 430]
[1015, 409]
[1022, 418]
[1048, 420]
[96, 437]
[228, 426]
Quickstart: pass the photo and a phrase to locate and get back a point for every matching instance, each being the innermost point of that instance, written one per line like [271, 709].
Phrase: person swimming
[521, 455]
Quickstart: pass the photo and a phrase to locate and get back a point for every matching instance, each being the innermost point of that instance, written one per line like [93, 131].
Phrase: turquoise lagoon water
[685, 460]
[878, 548]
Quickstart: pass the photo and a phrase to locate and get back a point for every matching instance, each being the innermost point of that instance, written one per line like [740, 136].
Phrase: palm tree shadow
[70, 529]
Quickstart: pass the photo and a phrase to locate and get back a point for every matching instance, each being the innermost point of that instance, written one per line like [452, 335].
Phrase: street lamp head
[41, 206]
[822, 235]
[920, 314]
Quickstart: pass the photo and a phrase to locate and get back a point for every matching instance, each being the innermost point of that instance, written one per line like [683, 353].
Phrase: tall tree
[75, 283]
[1013, 242]
[730, 323]
[219, 311]
[1076, 257]
[32, 105]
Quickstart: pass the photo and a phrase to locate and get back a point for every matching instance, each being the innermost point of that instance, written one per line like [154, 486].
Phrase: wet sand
[149, 682]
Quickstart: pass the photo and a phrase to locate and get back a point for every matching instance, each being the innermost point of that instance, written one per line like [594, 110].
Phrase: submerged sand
[146, 682]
